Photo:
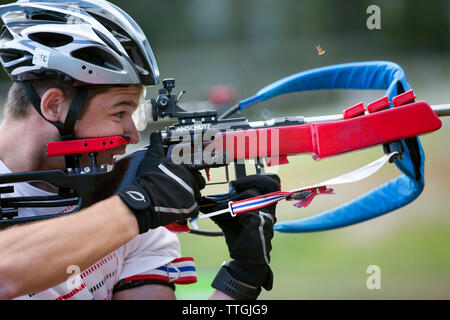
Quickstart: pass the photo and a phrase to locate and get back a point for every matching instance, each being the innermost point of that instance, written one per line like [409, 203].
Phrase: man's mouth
[112, 158]
[106, 157]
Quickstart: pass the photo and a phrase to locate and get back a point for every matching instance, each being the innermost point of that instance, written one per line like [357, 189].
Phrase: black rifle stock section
[86, 188]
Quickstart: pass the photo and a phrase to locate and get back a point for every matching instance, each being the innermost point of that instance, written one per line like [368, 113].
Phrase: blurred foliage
[407, 25]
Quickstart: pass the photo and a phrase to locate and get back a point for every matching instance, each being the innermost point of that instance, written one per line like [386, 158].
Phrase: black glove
[162, 191]
[248, 236]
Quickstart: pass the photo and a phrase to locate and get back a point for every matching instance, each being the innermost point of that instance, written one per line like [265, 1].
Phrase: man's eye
[119, 115]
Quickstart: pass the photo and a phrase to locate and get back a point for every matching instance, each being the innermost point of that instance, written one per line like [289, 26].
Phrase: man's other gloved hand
[248, 236]
[162, 191]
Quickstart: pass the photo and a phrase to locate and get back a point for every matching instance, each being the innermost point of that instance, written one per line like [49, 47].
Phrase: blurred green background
[249, 44]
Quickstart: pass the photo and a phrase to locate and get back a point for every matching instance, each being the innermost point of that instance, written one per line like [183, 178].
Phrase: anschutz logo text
[192, 127]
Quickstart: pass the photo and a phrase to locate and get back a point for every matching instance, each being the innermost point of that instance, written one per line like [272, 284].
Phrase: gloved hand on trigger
[248, 236]
[162, 191]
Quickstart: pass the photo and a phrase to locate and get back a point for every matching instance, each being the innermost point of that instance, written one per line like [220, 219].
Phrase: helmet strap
[66, 129]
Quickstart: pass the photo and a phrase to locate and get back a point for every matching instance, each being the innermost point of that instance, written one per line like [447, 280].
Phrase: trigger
[207, 174]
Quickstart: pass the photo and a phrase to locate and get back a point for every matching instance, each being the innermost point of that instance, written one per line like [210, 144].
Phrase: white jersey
[154, 255]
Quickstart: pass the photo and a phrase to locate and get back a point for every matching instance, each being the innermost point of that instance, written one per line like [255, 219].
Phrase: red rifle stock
[330, 138]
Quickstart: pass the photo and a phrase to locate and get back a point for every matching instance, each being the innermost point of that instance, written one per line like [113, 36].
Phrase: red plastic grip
[356, 110]
[378, 105]
[403, 98]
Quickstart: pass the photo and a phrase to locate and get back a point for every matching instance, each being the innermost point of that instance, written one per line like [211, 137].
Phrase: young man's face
[110, 114]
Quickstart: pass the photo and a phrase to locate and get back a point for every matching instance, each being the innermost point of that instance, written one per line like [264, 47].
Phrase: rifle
[204, 140]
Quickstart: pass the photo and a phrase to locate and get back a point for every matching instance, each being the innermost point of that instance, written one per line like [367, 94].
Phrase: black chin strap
[66, 129]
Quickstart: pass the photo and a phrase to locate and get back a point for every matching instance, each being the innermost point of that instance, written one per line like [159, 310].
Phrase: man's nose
[131, 131]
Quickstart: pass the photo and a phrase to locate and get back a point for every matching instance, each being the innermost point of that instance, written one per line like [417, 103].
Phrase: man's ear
[54, 105]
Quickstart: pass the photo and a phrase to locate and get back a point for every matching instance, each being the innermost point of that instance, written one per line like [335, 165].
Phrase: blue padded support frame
[400, 191]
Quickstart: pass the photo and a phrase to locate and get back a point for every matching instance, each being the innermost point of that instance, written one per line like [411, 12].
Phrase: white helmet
[92, 41]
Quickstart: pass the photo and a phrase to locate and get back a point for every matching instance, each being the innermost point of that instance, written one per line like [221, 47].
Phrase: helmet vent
[6, 34]
[51, 39]
[108, 42]
[97, 57]
[8, 55]
[44, 15]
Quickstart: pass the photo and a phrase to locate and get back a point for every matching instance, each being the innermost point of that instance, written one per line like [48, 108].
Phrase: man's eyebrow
[130, 103]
